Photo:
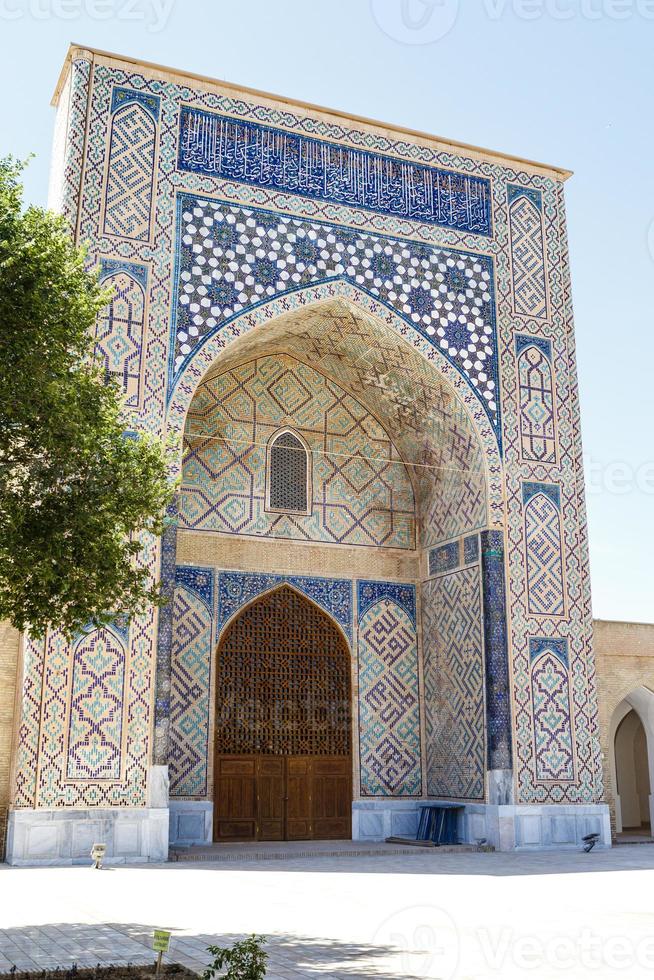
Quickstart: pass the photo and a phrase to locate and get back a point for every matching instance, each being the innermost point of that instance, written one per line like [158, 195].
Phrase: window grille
[288, 476]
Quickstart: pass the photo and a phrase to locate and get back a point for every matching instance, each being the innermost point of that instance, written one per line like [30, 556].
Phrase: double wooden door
[283, 754]
[282, 798]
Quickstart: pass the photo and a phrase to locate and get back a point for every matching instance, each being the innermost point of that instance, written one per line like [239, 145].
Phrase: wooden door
[235, 801]
[332, 799]
[283, 798]
[271, 798]
[283, 724]
[299, 799]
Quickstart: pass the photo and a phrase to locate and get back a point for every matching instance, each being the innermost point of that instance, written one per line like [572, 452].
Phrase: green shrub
[244, 960]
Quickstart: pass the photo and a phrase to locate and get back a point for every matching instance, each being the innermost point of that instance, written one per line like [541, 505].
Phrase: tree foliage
[77, 495]
[245, 960]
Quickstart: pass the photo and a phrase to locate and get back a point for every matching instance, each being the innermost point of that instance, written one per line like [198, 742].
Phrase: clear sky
[567, 82]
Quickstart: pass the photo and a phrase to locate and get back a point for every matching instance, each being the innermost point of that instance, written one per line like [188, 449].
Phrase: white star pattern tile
[231, 258]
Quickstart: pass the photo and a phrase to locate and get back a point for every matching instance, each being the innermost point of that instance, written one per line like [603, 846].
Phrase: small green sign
[161, 941]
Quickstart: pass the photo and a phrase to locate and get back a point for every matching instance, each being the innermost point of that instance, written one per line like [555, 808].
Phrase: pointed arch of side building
[640, 702]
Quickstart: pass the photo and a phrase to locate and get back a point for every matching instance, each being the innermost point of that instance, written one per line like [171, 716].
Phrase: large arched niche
[434, 417]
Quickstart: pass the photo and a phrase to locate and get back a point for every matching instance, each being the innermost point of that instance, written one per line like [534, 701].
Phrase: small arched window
[289, 474]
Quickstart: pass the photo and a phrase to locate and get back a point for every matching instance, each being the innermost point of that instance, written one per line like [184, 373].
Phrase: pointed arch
[290, 582]
[289, 473]
[641, 702]
[283, 722]
[352, 301]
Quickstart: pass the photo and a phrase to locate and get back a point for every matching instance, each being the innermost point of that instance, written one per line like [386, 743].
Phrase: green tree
[76, 492]
[245, 960]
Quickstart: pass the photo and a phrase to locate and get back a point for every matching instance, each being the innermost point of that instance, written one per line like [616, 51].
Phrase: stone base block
[507, 828]
[61, 837]
[375, 820]
[191, 822]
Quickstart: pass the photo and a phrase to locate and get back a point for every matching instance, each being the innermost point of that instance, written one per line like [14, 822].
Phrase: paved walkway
[421, 915]
[285, 850]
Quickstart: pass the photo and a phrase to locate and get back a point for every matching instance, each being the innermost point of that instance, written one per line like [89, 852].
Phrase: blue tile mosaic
[109, 267]
[236, 589]
[197, 580]
[523, 340]
[498, 695]
[369, 593]
[550, 490]
[544, 644]
[471, 549]
[231, 259]
[444, 559]
[219, 146]
[514, 191]
[123, 96]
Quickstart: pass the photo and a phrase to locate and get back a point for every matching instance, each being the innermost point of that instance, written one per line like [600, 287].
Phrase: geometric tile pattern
[119, 340]
[39, 778]
[537, 418]
[29, 730]
[496, 651]
[220, 146]
[543, 536]
[236, 589]
[87, 752]
[389, 701]
[231, 258]
[362, 493]
[130, 174]
[97, 706]
[553, 731]
[190, 683]
[454, 685]
[161, 733]
[528, 258]
[75, 113]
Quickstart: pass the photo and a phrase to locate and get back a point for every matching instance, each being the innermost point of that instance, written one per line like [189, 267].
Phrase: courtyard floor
[419, 915]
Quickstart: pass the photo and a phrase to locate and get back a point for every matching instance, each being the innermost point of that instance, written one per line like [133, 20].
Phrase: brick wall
[9, 647]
